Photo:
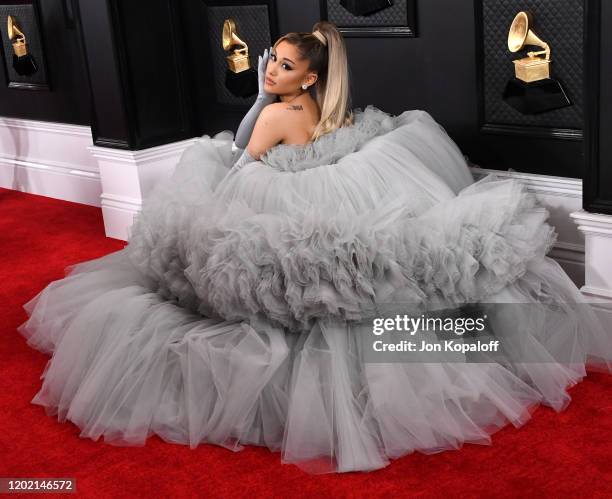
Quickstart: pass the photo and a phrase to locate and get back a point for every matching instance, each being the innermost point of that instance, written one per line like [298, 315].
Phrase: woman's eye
[283, 65]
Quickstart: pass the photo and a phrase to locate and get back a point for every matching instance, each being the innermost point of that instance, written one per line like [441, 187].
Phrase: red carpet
[554, 455]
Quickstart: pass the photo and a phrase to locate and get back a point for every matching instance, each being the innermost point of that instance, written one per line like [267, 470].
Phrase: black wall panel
[149, 44]
[67, 99]
[153, 79]
[560, 24]
[598, 172]
[141, 77]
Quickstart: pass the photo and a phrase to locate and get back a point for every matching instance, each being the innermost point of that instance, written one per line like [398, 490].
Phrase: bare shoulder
[269, 130]
[282, 122]
[276, 117]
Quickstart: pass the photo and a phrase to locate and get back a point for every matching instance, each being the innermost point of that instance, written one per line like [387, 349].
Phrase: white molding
[49, 159]
[150, 154]
[127, 177]
[597, 230]
[568, 252]
[601, 292]
[46, 126]
[543, 184]
[593, 223]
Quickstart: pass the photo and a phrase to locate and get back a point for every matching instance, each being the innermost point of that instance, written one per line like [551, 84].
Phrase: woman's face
[286, 72]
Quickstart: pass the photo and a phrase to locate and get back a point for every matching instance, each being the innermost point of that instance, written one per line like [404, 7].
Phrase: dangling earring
[304, 86]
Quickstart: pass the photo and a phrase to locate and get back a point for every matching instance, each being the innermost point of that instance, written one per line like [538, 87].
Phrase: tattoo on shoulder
[296, 107]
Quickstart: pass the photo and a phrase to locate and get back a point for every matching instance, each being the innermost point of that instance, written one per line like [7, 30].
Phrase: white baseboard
[128, 177]
[49, 159]
[597, 230]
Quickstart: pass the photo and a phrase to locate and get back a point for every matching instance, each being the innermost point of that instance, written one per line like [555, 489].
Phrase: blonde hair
[326, 52]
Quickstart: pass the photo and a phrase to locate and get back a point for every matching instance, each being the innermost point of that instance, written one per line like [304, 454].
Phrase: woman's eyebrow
[286, 58]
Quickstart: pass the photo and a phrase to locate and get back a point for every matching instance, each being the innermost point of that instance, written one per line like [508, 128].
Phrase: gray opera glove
[243, 160]
[245, 130]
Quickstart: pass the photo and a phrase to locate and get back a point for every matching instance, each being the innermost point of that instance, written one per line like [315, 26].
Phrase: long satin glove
[245, 130]
[243, 160]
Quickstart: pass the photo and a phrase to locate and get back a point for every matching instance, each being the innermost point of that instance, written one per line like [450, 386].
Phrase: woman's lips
[269, 81]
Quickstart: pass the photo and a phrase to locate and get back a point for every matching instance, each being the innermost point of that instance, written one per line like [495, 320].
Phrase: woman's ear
[311, 79]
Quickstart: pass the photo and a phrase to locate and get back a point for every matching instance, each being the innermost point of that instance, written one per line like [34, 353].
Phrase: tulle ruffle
[321, 263]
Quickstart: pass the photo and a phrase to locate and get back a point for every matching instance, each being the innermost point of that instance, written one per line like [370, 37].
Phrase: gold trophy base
[531, 69]
[238, 62]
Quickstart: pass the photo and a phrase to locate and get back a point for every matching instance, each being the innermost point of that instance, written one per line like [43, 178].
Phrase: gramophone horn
[230, 38]
[12, 29]
[16, 36]
[521, 34]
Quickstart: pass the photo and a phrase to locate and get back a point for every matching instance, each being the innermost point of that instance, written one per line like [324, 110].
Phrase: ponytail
[332, 91]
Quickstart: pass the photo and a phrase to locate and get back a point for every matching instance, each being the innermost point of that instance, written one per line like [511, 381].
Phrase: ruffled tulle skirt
[238, 311]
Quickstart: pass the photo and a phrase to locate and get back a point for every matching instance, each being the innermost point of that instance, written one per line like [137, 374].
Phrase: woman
[297, 61]
[242, 309]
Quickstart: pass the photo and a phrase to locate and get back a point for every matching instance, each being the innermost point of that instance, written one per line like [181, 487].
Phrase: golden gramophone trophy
[532, 90]
[23, 62]
[240, 78]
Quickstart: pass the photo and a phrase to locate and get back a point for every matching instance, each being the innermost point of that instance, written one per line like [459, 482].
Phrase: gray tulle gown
[231, 317]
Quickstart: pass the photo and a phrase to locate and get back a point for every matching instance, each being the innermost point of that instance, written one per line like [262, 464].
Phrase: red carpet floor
[554, 455]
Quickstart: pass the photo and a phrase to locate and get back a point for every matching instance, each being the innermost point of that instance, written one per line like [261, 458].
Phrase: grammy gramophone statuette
[23, 62]
[240, 78]
[532, 90]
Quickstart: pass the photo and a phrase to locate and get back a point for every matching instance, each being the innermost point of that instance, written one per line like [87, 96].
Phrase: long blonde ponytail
[332, 91]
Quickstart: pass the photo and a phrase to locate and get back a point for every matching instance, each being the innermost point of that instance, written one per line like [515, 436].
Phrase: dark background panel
[597, 183]
[550, 143]
[558, 23]
[149, 44]
[155, 79]
[217, 110]
[67, 100]
[26, 19]
[605, 106]
[254, 26]
[108, 116]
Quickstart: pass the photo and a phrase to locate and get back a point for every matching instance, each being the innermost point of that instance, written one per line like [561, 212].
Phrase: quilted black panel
[25, 18]
[560, 24]
[394, 15]
[252, 26]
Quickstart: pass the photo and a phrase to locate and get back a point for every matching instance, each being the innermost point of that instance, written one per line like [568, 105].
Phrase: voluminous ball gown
[232, 316]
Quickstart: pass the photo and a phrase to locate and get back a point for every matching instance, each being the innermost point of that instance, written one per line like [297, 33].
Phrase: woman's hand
[262, 65]
[245, 129]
